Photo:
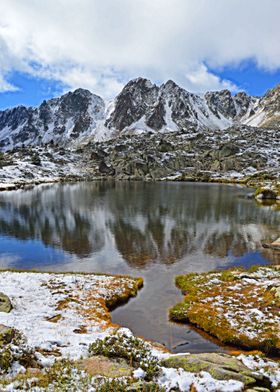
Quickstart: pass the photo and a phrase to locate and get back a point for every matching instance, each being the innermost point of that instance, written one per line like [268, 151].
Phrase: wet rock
[266, 193]
[275, 245]
[220, 366]
[5, 303]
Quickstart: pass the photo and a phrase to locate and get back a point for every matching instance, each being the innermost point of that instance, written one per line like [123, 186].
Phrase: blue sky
[51, 47]
[31, 90]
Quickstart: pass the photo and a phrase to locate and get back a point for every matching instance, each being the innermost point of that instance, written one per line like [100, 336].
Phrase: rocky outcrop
[195, 154]
[237, 155]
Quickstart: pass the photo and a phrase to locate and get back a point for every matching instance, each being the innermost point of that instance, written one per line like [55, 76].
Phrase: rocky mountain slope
[240, 153]
[140, 107]
[59, 120]
[143, 106]
[148, 132]
[267, 113]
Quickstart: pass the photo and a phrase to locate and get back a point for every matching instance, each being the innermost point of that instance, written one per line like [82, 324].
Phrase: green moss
[7, 334]
[6, 359]
[179, 312]
[65, 375]
[220, 366]
[134, 350]
[119, 299]
[201, 308]
[111, 386]
[227, 276]
[13, 348]
[5, 303]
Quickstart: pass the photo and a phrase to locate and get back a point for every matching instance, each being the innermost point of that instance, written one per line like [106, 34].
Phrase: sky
[50, 47]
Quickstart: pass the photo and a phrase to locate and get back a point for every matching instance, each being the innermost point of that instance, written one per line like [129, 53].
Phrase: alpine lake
[154, 230]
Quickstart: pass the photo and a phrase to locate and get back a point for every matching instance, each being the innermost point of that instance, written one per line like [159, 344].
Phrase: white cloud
[6, 86]
[101, 44]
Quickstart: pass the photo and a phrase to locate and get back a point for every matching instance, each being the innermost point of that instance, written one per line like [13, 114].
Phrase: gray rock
[220, 366]
[105, 169]
[5, 303]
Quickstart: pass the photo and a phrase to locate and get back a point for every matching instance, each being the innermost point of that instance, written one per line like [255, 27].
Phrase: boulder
[227, 150]
[220, 366]
[165, 146]
[5, 303]
[266, 193]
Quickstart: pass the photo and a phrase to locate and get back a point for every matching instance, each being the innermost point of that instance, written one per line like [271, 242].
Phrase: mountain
[140, 107]
[267, 113]
[59, 120]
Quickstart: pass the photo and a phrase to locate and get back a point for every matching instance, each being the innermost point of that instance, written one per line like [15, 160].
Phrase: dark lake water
[154, 230]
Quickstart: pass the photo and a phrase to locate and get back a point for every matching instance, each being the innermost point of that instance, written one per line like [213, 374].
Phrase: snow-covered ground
[61, 313]
[40, 165]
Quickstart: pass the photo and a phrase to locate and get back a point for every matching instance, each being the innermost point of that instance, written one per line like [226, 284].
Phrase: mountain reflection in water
[144, 222]
[155, 230]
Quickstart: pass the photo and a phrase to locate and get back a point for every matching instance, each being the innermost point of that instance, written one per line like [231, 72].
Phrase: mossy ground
[135, 351]
[13, 348]
[238, 307]
[65, 375]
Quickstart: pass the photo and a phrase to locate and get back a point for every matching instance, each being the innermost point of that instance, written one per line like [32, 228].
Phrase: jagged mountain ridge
[144, 106]
[59, 120]
[141, 106]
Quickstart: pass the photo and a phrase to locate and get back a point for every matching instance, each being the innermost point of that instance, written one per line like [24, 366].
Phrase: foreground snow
[66, 317]
[61, 314]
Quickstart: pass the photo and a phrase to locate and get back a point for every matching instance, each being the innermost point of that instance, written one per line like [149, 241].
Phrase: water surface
[154, 230]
